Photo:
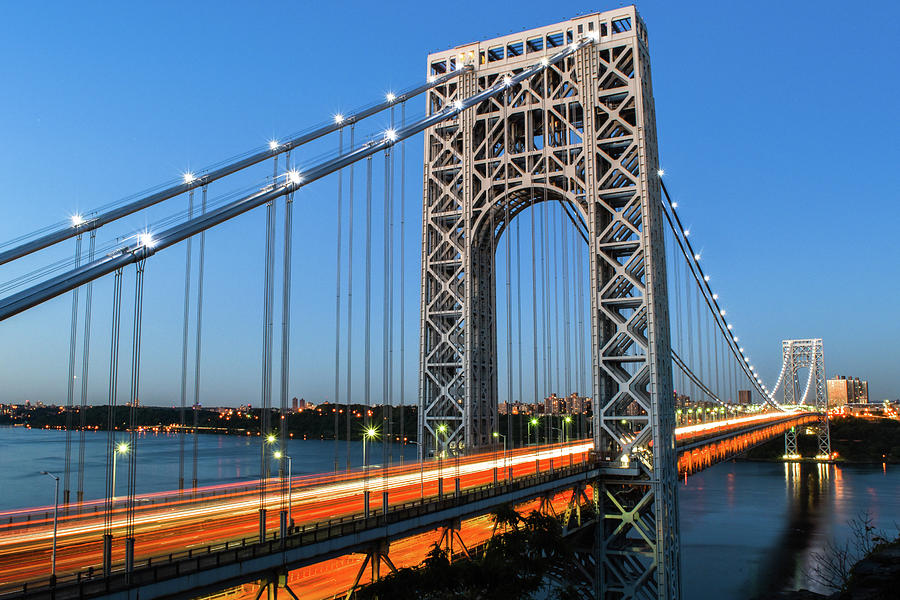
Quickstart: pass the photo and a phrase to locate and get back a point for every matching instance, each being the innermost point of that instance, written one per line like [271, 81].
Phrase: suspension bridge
[541, 193]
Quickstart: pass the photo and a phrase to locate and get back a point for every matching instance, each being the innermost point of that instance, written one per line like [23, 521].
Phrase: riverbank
[875, 577]
[861, 440]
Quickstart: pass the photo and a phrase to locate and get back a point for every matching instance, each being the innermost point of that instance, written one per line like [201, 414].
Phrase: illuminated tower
[581, 132]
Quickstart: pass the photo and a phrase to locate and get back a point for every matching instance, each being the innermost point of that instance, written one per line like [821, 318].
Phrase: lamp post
[534, 422]
[55, 522]
[499, 435]
[369, 434]
[566, 422]
[442, 429]
[263, 476]
[287, 516]
[120, 449]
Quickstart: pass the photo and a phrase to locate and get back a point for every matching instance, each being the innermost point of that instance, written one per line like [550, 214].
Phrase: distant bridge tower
[799, 354]
[581, 132]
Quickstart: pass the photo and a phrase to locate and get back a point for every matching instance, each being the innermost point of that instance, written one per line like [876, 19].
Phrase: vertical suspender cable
[266, 399]
[85, 368]
[689, 311]
[534, 304]
[111, 421]
[385, 325]
[555, 226]
[286, 344]
[548, 297]
[196, 404]
[184, 346]
[699, 335]
[581, 386]
[718, 382]
[507, 232]
[545, 321]
[709, 350]
[676, 271]
[389, 315]
[348, 410]
[402, 312]
[567, 362]
[70, 382]
[132, 412]
[337, 300]
[367, 362]
[520, 393]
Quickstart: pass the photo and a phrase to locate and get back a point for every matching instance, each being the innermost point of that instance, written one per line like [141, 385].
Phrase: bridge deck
[217, 530]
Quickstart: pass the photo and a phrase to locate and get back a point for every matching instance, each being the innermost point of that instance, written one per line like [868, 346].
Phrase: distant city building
[745, 397]
[294, 405]
[847, 390]
[553, 405]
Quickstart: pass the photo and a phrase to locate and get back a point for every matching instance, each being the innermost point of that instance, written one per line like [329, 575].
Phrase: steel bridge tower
[582, 132]
[799, 354]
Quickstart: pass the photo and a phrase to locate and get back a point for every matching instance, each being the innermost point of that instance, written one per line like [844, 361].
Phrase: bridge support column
[790, 443]
[107, 554]
[262, 525]
[451, 532]
[574, 505]
[129, 554]
[374, 557]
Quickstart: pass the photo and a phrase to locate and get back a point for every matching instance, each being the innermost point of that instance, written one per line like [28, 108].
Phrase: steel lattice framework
[581, 132]
[800, 354]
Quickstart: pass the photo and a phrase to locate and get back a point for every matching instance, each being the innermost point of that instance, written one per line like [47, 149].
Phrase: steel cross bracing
[583, 132]
[809, 354]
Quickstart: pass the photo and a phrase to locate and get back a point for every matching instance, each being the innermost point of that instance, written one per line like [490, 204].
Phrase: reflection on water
[750, 529]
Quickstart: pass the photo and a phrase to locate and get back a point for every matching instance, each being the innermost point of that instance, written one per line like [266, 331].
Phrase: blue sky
[777, 132]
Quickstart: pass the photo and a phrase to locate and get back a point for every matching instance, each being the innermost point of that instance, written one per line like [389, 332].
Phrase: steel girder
[581, 132]
[799, 354]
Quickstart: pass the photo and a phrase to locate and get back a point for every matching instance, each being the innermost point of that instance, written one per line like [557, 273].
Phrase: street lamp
[289, 517]
[566, 422]
[55, 522]
[498, 435]
[270, 439]
[534, 422]
[369, 434]
[120, 449]
[443, 430]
